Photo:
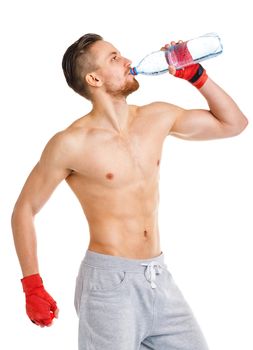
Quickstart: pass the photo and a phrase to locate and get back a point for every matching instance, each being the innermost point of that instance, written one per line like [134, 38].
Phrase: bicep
[198, 124]
[189, 124]
[50, 170]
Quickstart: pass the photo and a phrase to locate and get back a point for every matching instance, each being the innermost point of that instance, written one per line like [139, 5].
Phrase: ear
[93, 79]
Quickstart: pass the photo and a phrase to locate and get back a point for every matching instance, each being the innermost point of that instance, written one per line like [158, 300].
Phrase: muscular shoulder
[162, 114]
[69, 138]
[159, 108]
[62, 147]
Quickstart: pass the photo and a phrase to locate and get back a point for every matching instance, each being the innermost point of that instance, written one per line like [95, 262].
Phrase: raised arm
[223, 119]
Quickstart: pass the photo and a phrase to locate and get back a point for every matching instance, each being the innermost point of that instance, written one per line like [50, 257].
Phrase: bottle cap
[133, 71]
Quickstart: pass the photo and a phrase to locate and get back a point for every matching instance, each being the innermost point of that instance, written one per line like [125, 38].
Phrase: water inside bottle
[203, 48]
[195, 50]
[179, 55]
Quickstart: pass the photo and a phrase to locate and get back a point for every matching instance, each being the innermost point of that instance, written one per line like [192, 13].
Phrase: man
[125, 296]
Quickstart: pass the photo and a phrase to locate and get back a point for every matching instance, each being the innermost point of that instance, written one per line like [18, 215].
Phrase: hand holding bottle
[172, 69]
[181, 55]
[193, 73]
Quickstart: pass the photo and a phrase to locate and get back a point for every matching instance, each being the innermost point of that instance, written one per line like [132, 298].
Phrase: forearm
[222, 106]
[25, 240]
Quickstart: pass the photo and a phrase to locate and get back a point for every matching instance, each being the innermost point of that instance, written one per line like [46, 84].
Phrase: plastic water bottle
[180, 55]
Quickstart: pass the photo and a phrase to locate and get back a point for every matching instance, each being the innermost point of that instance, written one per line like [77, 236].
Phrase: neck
[111, 112]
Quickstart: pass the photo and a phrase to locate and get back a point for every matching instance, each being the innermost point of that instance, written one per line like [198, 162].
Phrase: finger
[172, 69]
[56, 313]
[165, 47]
[47, 322]
[36, 322]
[53, 307]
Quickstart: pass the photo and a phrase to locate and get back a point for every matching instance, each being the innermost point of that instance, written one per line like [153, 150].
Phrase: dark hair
[77, 62]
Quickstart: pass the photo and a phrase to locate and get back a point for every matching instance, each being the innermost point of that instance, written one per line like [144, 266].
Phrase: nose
[128, 62]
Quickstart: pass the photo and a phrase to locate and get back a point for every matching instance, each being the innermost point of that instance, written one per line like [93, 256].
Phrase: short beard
[129, 88]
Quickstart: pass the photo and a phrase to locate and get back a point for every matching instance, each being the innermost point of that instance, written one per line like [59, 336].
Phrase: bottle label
[179, 56]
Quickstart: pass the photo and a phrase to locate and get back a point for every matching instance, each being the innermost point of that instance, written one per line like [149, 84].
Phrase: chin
[130, 87]
[125, 90]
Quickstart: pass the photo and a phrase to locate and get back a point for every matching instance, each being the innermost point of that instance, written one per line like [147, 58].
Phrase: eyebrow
[113, 53]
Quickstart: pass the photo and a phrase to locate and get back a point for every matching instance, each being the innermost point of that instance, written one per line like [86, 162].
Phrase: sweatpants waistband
[121, 263]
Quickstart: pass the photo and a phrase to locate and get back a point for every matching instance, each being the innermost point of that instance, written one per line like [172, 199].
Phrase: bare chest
[115, 161]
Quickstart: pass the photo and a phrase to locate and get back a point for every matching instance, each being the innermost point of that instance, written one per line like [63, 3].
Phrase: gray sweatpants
[132, 304]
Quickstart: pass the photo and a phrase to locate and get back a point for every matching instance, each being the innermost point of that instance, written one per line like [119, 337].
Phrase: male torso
[116, 179]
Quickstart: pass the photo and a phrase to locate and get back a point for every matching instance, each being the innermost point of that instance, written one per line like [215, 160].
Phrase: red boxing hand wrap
[40, 306]
[194, 73]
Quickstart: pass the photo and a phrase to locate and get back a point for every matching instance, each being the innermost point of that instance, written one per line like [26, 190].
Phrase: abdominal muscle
[122, 222]
[126, 238]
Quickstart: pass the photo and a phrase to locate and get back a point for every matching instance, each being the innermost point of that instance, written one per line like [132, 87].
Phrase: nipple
[109, 176]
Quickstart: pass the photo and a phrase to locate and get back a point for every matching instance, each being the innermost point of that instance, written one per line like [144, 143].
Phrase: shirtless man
[125, 296]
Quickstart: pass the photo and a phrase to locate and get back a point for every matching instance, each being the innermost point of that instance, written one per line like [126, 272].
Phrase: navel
[145, 233]
[158, 162]
[109, 176]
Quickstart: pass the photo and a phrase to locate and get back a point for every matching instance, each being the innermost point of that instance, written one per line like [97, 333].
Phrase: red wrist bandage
[40, 306]
[194, 73]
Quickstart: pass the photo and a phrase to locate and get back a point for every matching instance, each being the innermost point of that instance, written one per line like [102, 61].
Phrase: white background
[205, 186]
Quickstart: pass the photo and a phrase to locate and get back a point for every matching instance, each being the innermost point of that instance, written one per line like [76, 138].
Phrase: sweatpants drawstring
[152, 269]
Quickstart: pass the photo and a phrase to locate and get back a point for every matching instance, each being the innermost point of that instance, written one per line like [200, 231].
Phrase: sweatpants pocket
[103, 280]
